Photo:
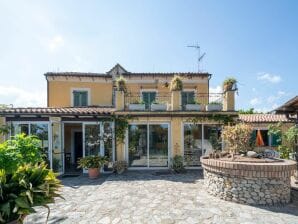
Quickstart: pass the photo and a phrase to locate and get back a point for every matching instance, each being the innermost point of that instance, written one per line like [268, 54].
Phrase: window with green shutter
[275, 140]
[80, 98]
[187, 97]
[148, 98]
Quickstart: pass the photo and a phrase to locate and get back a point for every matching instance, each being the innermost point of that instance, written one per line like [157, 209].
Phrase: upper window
[148, 98]
[80, 98]
[188, 97]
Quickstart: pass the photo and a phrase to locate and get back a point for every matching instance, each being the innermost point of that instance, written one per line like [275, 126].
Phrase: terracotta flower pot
[93, 173]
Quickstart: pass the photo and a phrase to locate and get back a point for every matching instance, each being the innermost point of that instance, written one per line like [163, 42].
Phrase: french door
[98, 140]
[148, 145]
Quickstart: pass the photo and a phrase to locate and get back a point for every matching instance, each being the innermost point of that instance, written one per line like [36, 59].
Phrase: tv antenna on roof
[200, 57]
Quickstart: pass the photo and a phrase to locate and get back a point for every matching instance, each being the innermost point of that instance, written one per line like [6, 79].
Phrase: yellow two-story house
[84, 111]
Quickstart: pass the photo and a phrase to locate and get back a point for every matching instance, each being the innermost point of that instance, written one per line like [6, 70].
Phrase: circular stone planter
[249, 182]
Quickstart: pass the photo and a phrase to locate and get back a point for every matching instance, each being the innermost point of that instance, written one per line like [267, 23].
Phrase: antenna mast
[200, 57]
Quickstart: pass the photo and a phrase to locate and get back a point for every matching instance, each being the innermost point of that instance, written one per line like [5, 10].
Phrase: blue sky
[254, 41]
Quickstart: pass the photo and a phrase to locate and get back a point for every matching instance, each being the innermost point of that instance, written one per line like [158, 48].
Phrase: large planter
[194, 107]
[135, 106]
[158, 107]
[249, 182]
[93, 173]
[214, 107]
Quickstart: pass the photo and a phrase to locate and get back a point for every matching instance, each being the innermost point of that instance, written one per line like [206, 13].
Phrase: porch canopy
[290, 109]
[43, 113]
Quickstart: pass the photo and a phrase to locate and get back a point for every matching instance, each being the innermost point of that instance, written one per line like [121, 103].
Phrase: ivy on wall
[220, 118]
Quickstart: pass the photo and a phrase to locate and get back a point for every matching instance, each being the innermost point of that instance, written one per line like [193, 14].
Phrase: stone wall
[249, 183]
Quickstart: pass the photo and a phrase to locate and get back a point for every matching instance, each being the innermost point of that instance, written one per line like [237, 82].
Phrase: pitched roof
[82, 74]
[118, 69]
[263, 118]
[58, 111]
[289, 107]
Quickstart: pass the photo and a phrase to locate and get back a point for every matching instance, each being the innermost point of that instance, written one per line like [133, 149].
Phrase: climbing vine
[121, 125]
[220, 118]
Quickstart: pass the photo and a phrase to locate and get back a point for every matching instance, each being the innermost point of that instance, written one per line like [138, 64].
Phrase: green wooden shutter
[275, 140]
[191, 97]
[76, 99]
[253, 138]
[84, 98]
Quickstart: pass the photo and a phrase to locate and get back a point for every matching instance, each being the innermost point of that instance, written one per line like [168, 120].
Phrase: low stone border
[249, 183]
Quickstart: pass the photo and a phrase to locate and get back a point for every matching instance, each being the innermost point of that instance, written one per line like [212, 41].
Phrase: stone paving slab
[144, 197]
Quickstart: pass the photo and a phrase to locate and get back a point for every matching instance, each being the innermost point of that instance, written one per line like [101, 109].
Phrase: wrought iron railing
[135, 101]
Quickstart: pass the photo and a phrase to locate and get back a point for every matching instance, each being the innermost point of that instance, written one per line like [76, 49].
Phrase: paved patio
[150, 197]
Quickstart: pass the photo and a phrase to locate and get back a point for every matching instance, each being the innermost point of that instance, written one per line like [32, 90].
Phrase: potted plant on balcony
[194, 106]
[121, 83]
[93, 164]
[176, 83]
[214, 106]
[229, 84]
[137, 105]
[158, 106]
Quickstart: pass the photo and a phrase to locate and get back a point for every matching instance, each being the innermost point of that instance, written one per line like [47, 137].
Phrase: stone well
[249, 182]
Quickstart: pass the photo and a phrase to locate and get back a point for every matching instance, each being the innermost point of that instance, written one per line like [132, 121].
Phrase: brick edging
[250, 170]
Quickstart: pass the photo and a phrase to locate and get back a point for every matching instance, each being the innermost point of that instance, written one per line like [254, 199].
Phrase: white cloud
[21, 98]
[216, 89]
[255, 101]
[269, 77]
[55, 43]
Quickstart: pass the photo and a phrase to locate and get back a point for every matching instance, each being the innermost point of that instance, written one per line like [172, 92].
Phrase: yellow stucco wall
[60, 92]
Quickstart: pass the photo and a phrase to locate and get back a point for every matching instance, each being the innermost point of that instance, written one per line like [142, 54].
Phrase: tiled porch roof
[58, 111]
[263, 118]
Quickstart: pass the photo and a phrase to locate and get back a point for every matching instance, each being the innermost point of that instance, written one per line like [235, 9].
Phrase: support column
[229, 100]
[176, 100]
[119, 100]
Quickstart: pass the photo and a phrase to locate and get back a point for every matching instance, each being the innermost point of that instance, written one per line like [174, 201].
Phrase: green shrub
[28, 186]
[92, 162]
[20, 150]
[177, 164]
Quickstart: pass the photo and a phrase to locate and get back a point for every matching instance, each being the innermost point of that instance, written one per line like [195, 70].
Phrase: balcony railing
[135, 101]
[162, 102]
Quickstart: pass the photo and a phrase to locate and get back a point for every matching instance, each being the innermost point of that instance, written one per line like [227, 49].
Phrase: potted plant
[93, 164]
[176, 83]
[214, 106]
[121, 83]
[194, 106]
[137, 105]
[119, 167]
[158, 106]
[229, 84]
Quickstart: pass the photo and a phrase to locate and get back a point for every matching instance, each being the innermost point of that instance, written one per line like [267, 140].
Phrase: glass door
[192, 144]
[91, 139]
[148, 145]
[98, 140]
[137, 146]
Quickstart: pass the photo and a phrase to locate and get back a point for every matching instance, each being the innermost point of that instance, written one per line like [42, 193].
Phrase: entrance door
[148, 145]
[57, 154]
[98, 140]
[78, 146]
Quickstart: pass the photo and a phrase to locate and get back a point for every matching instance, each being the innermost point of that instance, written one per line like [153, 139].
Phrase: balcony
[167, 101]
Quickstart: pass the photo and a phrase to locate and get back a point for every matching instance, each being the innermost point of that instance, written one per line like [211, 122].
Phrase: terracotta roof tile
[263, 118]
[59, 111]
